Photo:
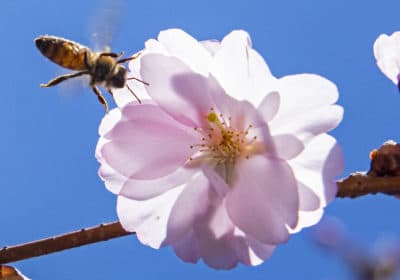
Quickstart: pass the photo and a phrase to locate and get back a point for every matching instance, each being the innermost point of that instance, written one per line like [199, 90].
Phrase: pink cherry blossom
[387, 55]
[225, 160]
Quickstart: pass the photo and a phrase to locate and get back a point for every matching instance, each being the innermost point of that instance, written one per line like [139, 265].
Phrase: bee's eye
[119, 79]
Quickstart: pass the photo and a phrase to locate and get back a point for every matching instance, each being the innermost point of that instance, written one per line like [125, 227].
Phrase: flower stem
[58, 243]
[357, 184]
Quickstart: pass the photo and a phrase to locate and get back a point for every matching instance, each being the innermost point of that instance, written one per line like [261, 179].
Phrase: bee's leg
[100, 97]
[112, 54]
[137, 98]
[129, 58]
[139, 80]
[62, 78]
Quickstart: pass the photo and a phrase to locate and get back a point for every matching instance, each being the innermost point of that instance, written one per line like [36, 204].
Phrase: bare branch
[58, 243]
[358, 184]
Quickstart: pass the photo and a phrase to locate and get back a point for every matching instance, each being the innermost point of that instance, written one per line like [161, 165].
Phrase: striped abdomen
[64, 52]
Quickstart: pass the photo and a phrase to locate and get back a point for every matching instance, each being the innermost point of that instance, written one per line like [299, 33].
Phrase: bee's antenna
[140, 102]
[139, 80]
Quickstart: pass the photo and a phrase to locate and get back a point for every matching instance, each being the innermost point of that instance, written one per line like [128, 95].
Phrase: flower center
[221, 143]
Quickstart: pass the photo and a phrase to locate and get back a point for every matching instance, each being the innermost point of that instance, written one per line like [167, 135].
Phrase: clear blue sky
[49, 183]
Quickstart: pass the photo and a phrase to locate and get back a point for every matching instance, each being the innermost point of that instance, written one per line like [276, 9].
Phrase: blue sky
[49, 182]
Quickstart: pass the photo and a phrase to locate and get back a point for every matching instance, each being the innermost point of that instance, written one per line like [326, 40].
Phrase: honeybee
[104, 68]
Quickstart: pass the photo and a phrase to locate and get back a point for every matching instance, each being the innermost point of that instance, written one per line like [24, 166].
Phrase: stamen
[221, 142]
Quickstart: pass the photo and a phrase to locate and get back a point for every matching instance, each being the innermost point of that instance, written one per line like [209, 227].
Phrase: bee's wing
[104, 23]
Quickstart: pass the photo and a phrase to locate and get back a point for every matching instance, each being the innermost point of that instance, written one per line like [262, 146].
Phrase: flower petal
[174, 87]
[387, 55]
[189, 50]
[113, 180]
[109, 121]
[306, 106]
[187, 249]
[303, 92]
[307, 219]
[318, 165]
[308, 199]
[140, 145]
[212, 46]
[258, 251]
[269, 105]
[192, 202]
[240, 70]
[264, 199]
[306, 125]
[287, 146]
[146, 189]
[241, 114]
[124, 96]
[215, 239]
[219, 243]
[217, 179]
[148, 218]
[194, 54]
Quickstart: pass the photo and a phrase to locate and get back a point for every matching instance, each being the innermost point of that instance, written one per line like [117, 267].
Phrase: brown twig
[58, 243]
[358, 184]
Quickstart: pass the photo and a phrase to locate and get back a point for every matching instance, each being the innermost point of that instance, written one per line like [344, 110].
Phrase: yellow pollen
[222, 143]
[212, 117]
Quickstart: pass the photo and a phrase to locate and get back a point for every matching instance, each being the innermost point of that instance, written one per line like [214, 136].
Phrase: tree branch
[358, 184]
[58, 243]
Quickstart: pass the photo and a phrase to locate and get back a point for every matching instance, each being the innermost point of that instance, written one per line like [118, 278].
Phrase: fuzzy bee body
[63, 52]
[103, 68]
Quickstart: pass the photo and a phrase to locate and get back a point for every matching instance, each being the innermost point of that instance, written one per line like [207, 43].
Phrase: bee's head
[118, 80]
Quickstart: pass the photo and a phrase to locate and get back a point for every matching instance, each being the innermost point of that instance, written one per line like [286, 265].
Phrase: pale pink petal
[307, 219]
[387, 55]
[148, 218]
[166, 47]
[187, 249]
[179, 91]
[109, 121]
[242, 248]
[259, 252]
[220, 253]
[308, 124]
[269, 105]
[306, 106]
[240, 70]
[217, 176]
[308, 199]
[146, 189]
[287, 146]
[191, 203]
[241, 113]
[140, 146]
[212, 46]
[215, 239]
[318, 165]
[264, 199]
[113, 180]
[180, 44]
[304, 92]
[124, 96]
